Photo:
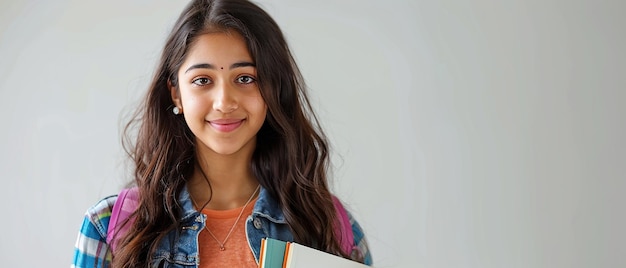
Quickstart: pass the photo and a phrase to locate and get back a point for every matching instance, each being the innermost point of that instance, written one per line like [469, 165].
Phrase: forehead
[218, 48]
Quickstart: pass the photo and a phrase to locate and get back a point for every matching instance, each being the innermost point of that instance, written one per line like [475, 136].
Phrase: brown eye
[201, 81]
[245, 79]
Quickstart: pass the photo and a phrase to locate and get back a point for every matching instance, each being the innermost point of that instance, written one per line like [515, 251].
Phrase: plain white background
[465, 133]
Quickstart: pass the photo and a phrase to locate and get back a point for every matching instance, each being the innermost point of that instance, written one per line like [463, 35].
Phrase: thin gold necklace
[206, 226]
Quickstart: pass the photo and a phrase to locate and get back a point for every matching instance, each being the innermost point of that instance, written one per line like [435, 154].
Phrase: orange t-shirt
[237, 252]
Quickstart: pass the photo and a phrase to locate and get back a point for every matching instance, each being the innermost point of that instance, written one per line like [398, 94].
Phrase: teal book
[272, 253]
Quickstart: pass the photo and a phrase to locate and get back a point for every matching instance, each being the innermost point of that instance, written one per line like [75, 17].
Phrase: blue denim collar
[189, 213]
[266, 206]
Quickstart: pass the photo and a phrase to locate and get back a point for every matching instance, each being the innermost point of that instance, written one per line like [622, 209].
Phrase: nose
[225, 99]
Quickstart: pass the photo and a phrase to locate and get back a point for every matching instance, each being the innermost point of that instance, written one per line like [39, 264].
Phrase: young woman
[228, 151]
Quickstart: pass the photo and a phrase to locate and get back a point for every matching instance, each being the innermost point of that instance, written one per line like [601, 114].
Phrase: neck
[230, 176]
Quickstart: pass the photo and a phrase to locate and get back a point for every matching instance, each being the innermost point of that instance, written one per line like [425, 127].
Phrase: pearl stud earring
[176, 110]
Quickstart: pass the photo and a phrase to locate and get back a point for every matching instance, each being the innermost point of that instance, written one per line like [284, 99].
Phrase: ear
[175, 94]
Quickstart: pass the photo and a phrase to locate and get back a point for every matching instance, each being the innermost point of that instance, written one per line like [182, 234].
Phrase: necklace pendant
[222, 248]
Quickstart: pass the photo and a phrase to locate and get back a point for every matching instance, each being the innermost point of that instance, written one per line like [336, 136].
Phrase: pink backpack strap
[344, 229]
[125, 205]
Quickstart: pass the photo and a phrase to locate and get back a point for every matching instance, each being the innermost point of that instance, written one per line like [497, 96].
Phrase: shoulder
[100, 214]
[91, 249]
[359, 239]
[97, 218]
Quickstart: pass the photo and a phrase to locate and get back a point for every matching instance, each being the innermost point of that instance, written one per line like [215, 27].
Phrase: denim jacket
[179, 248]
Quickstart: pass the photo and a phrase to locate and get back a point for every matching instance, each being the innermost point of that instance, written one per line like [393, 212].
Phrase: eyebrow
[212, 67]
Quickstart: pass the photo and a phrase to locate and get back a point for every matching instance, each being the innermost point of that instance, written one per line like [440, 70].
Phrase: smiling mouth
[226, 125]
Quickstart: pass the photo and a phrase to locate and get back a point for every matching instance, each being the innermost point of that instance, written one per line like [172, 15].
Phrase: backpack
[128, 201]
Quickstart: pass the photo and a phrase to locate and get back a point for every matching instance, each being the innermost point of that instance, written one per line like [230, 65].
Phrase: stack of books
[280, 254]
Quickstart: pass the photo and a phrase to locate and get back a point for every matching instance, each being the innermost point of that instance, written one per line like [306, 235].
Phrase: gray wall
[466, 133]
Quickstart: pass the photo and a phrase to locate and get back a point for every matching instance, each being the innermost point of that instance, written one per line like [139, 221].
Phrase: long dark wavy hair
[291, 156]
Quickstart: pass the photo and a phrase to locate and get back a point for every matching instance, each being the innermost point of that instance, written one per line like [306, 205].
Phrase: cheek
[193, 103]
[195, 110]
[260, 107]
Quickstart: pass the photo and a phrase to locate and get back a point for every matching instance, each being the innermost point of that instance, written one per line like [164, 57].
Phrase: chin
[224, 151]
[229, 148]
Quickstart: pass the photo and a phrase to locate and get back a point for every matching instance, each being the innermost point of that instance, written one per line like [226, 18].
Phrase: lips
[225, 125]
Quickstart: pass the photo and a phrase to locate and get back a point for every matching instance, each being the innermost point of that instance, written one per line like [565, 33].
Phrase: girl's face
[219, 95]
